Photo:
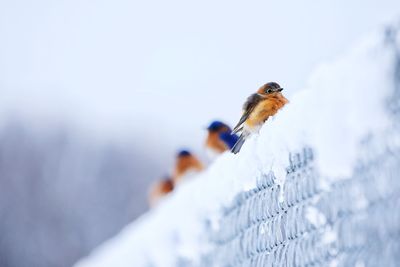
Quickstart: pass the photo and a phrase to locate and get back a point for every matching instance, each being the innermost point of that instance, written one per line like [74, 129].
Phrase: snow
[342, 102]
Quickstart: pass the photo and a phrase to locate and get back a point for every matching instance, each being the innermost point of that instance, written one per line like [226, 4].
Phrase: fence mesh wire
[354, 221]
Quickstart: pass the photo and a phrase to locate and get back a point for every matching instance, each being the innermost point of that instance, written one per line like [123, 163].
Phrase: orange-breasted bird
[257, 109]
[220, 138]
[160, 189]
[185, 163]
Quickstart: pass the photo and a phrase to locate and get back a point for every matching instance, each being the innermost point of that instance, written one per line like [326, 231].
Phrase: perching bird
[220, 137]
[257, 109]
[160, 189]
[185, 164]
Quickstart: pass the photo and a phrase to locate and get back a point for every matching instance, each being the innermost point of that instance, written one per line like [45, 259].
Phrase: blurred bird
[220, 137]
[257, 109]
[160, 189]
[185, 163]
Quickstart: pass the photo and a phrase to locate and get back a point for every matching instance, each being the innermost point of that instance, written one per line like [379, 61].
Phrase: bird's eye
[269, 91]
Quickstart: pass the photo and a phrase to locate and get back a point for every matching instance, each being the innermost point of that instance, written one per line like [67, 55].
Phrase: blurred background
[96, 97]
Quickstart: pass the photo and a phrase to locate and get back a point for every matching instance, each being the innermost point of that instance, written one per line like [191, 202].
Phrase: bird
[186, 163]
[160, 189]
[266, 102]
[220, 138]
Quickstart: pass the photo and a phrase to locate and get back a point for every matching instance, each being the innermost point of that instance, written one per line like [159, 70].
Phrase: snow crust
[343, 102]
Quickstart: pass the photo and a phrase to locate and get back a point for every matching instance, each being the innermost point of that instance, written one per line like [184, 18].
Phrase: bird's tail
[236, 148]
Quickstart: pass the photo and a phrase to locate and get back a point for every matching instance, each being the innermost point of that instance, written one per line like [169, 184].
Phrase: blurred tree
[62, 194]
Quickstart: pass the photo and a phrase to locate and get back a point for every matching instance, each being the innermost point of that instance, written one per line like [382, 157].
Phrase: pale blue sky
[145, 69]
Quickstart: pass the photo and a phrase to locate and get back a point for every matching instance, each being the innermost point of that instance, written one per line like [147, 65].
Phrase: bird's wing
[228, 138]
[248, 107]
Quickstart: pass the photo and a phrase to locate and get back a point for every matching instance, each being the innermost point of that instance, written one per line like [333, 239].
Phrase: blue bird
[257, 109]
[185, 163]
[220, 137]
[160, 189]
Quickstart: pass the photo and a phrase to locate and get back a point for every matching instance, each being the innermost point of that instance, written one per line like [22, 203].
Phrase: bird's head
[270, 89]
[183, 153]
[218, 126]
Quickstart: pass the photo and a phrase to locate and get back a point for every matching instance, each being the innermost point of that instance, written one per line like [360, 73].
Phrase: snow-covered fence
[319, 186]
[356, 223]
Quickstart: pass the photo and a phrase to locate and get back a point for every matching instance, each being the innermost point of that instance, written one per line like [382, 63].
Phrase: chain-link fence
[353, 222]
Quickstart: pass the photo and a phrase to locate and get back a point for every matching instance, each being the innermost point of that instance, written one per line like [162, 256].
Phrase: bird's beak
[279, 89]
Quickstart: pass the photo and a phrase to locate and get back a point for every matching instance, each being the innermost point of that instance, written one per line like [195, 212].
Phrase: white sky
[159, 71]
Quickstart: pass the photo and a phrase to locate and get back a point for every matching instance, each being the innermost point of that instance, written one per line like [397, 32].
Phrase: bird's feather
[248, 107]
[229, 139]
[236, 148]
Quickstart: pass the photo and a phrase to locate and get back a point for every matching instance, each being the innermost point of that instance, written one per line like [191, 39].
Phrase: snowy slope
[344, 102]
